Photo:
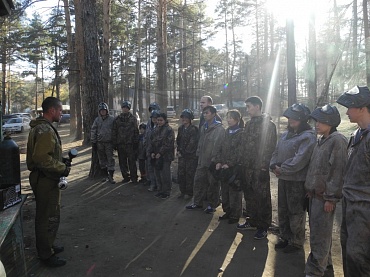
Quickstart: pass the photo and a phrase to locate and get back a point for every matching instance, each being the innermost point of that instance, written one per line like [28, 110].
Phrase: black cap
[327, 114]
[298, 112]
[356, 97]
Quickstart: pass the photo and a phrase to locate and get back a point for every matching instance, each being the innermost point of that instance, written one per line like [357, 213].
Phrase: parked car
[18, 124]
[171, 111]
[6, 117]
[66, 118]
[23, 115]
[221, 109]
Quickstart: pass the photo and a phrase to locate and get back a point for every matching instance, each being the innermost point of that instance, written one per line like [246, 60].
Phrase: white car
[171, 111]
[17, 124]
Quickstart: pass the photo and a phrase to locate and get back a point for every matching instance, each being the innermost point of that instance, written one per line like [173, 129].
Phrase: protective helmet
[298, 112]
[126, 104]
[154, 106]
[154, 113]
[142, 126]
[328, 115]
[356, 97]
[187, 113]
[103, 106]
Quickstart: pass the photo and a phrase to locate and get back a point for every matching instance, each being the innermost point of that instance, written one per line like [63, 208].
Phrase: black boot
[110, 176]
[105, 174]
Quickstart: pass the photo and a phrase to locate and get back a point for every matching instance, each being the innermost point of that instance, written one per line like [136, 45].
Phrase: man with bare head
[206, 101]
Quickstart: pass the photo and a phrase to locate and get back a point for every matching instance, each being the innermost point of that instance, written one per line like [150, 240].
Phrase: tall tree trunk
[354, 36]
[106, 51]
[311, 67]
[291, 72]
[73, 83]
[367, 40]
[162, 53]
[3, 78]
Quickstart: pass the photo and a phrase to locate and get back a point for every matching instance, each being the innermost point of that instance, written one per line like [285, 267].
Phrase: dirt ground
[123, 230]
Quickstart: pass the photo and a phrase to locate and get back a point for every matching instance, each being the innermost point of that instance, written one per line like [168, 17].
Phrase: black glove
[67, 162]
[94, 147]
[66, 171]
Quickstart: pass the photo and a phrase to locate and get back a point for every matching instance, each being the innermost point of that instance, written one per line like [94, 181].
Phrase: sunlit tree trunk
[107, 94]
[291, 70]
[367, 40]
[311, 64]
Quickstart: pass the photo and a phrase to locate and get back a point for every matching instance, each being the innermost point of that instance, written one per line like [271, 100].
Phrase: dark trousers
[127, 161]
[47, 195]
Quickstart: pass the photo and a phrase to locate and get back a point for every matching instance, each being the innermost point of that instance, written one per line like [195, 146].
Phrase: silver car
[17, 124]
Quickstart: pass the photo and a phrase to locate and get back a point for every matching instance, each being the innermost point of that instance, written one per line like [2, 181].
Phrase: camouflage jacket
[231, 149]
[210, 142]
[326, 168]
[162, 141]
[356, 185]
[44, 149]
[259, 142]
[125, 130]
[187, 140]
[293, 153]
[101, 130]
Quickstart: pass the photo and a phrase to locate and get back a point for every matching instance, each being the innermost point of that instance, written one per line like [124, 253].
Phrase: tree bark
[291, 70]
[367, 40]
[106, 51]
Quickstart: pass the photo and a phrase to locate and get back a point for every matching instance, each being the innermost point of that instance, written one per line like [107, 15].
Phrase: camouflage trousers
[257, 195]
[150, 175]
[321, 228]
[127, 161]
[231, 200]
[47, 195]
[105, 155]
[291, 211]
[185, 174]
[163, 178]
[206, 188]
[354, 236]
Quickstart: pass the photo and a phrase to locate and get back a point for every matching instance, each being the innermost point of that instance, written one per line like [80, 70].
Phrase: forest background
[175, 51]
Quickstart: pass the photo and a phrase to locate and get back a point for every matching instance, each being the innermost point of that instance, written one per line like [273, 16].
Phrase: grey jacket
[101, 130]
[326, 169]
[294, 153]
[356, 185]
[210, 142]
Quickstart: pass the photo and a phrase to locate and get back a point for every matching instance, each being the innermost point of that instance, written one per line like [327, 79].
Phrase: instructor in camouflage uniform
[44, 160]
[259, 142]
[187, 143]
[101, 139]
[355, 230]
[125, 136]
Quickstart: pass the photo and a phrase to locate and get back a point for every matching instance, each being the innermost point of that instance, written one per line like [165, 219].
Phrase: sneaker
[245, 226]
[209, 210]
[54, 261]
[260, 234]
[164, 196]
[159, 194]
[281, 244]
[233, 220]
[291, 249]
[151, 189]
[193, 207]
[225, 216]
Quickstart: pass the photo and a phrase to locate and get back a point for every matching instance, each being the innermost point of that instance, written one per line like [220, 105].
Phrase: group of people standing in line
[314, 174]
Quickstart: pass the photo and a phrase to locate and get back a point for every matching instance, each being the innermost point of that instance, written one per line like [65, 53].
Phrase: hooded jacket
[293, 153]
[210, 142]
[101, 130]
[44, 149]
[326, 169]
[231, 149]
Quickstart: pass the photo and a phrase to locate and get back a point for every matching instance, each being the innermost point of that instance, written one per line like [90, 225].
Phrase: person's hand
[67, 162]
[66, 172]
[329, 206]
[218, 166]
[152, 156]
[225, 166]
[158, 156]
[179, 154]
[277, 170]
